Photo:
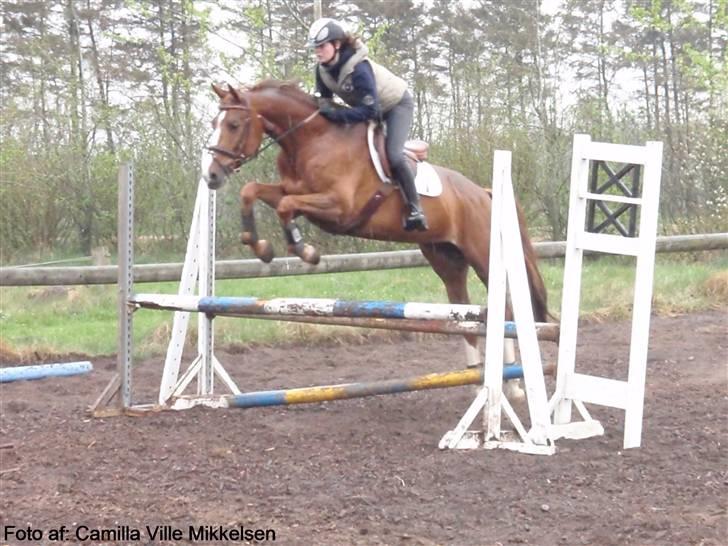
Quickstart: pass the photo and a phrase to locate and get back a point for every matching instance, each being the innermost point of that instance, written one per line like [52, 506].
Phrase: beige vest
[390, 88]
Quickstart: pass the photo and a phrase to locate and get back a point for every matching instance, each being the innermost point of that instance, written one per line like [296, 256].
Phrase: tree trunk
[656, 83]
[100, 82]
[646, 81]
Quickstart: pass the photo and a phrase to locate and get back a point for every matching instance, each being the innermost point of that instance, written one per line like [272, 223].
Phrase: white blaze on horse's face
[212, 141]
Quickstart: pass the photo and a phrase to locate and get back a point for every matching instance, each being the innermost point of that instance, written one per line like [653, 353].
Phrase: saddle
[427, 181]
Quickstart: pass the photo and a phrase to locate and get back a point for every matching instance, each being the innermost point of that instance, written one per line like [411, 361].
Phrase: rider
[372, 92]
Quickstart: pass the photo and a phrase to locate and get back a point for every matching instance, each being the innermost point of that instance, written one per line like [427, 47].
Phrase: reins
[242, 159]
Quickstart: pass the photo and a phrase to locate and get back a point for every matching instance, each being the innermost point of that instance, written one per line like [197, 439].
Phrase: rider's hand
[327, 110]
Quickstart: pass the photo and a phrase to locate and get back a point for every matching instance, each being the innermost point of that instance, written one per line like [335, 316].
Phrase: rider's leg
[399, 120]
[415, 218]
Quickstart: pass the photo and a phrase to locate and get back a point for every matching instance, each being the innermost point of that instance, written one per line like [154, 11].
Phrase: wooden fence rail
[335, 263]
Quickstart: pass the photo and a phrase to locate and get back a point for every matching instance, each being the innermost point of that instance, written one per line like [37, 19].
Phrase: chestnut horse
[327, 177]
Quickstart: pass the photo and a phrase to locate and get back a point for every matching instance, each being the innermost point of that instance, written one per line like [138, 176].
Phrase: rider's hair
[349, 40]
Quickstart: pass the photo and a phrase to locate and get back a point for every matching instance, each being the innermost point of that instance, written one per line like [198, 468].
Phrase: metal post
[125, 285]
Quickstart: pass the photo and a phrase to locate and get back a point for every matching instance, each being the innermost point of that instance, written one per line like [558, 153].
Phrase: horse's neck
[292, 123]
[282, 111]
[299, 133]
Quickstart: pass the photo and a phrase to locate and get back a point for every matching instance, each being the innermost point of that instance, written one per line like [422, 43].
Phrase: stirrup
[415, 220]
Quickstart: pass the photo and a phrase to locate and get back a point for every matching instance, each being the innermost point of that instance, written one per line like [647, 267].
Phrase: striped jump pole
[41, 371]
[312, 395]
[434, 317]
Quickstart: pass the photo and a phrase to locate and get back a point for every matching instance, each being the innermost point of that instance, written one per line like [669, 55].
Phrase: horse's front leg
[271, 195]
[320, 206]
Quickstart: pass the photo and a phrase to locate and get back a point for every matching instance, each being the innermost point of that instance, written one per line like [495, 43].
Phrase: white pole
[187, 285]
[642, 305]
[206, 288]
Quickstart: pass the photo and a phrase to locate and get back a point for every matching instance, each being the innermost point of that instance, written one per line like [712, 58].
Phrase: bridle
[240, 158]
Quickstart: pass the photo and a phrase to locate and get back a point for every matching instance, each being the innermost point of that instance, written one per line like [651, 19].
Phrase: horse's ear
[236, 94]
[219, 91]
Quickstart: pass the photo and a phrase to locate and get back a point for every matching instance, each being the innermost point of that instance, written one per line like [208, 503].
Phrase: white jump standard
[572, 388]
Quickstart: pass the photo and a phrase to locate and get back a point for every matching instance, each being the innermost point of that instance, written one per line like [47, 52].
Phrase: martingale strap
[368, 210]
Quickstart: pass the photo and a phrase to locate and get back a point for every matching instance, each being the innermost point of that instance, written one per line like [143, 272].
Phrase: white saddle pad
[427, 180]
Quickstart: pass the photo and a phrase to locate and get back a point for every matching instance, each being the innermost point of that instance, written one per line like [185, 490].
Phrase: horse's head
[237, 137]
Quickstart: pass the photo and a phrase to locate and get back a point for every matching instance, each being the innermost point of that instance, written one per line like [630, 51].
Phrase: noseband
[241, 159]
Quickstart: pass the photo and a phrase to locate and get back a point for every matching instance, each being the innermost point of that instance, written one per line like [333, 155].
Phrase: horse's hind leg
[271, 195]
[450, 265]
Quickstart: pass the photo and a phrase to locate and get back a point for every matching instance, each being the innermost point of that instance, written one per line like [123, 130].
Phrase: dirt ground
[368, 471]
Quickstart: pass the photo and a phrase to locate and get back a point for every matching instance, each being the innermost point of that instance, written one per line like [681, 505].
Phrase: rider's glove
[327, 110]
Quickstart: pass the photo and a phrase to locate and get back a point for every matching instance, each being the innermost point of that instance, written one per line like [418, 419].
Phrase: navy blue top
[365, 90]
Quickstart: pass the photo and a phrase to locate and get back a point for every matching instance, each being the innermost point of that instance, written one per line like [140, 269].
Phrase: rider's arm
[367, 107]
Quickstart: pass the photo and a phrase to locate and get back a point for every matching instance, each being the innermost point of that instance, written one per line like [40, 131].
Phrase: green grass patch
[38, 322]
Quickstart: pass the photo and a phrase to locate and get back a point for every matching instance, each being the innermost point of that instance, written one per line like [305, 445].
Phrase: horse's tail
[539, 297]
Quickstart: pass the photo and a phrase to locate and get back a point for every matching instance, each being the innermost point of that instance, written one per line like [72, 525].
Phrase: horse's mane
[290, 88]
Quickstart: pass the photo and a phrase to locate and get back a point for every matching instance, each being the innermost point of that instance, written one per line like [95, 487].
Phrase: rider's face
[325, 53]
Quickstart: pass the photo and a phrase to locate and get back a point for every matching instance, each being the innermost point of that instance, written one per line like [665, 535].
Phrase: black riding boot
[415, 218]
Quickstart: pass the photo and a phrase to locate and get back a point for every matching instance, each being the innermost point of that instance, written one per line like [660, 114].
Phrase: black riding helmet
[325, 30]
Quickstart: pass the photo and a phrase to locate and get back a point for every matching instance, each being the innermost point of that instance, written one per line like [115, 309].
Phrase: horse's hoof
[306, 252]
[264, 250]
[246, 237]
[310, 255]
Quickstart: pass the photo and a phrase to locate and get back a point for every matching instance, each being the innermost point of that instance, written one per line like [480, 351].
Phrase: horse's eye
[235, 125]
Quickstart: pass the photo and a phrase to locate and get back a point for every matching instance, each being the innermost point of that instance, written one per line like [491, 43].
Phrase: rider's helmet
[325, 30]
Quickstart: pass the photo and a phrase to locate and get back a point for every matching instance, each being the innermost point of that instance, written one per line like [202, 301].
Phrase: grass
[37, 323]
